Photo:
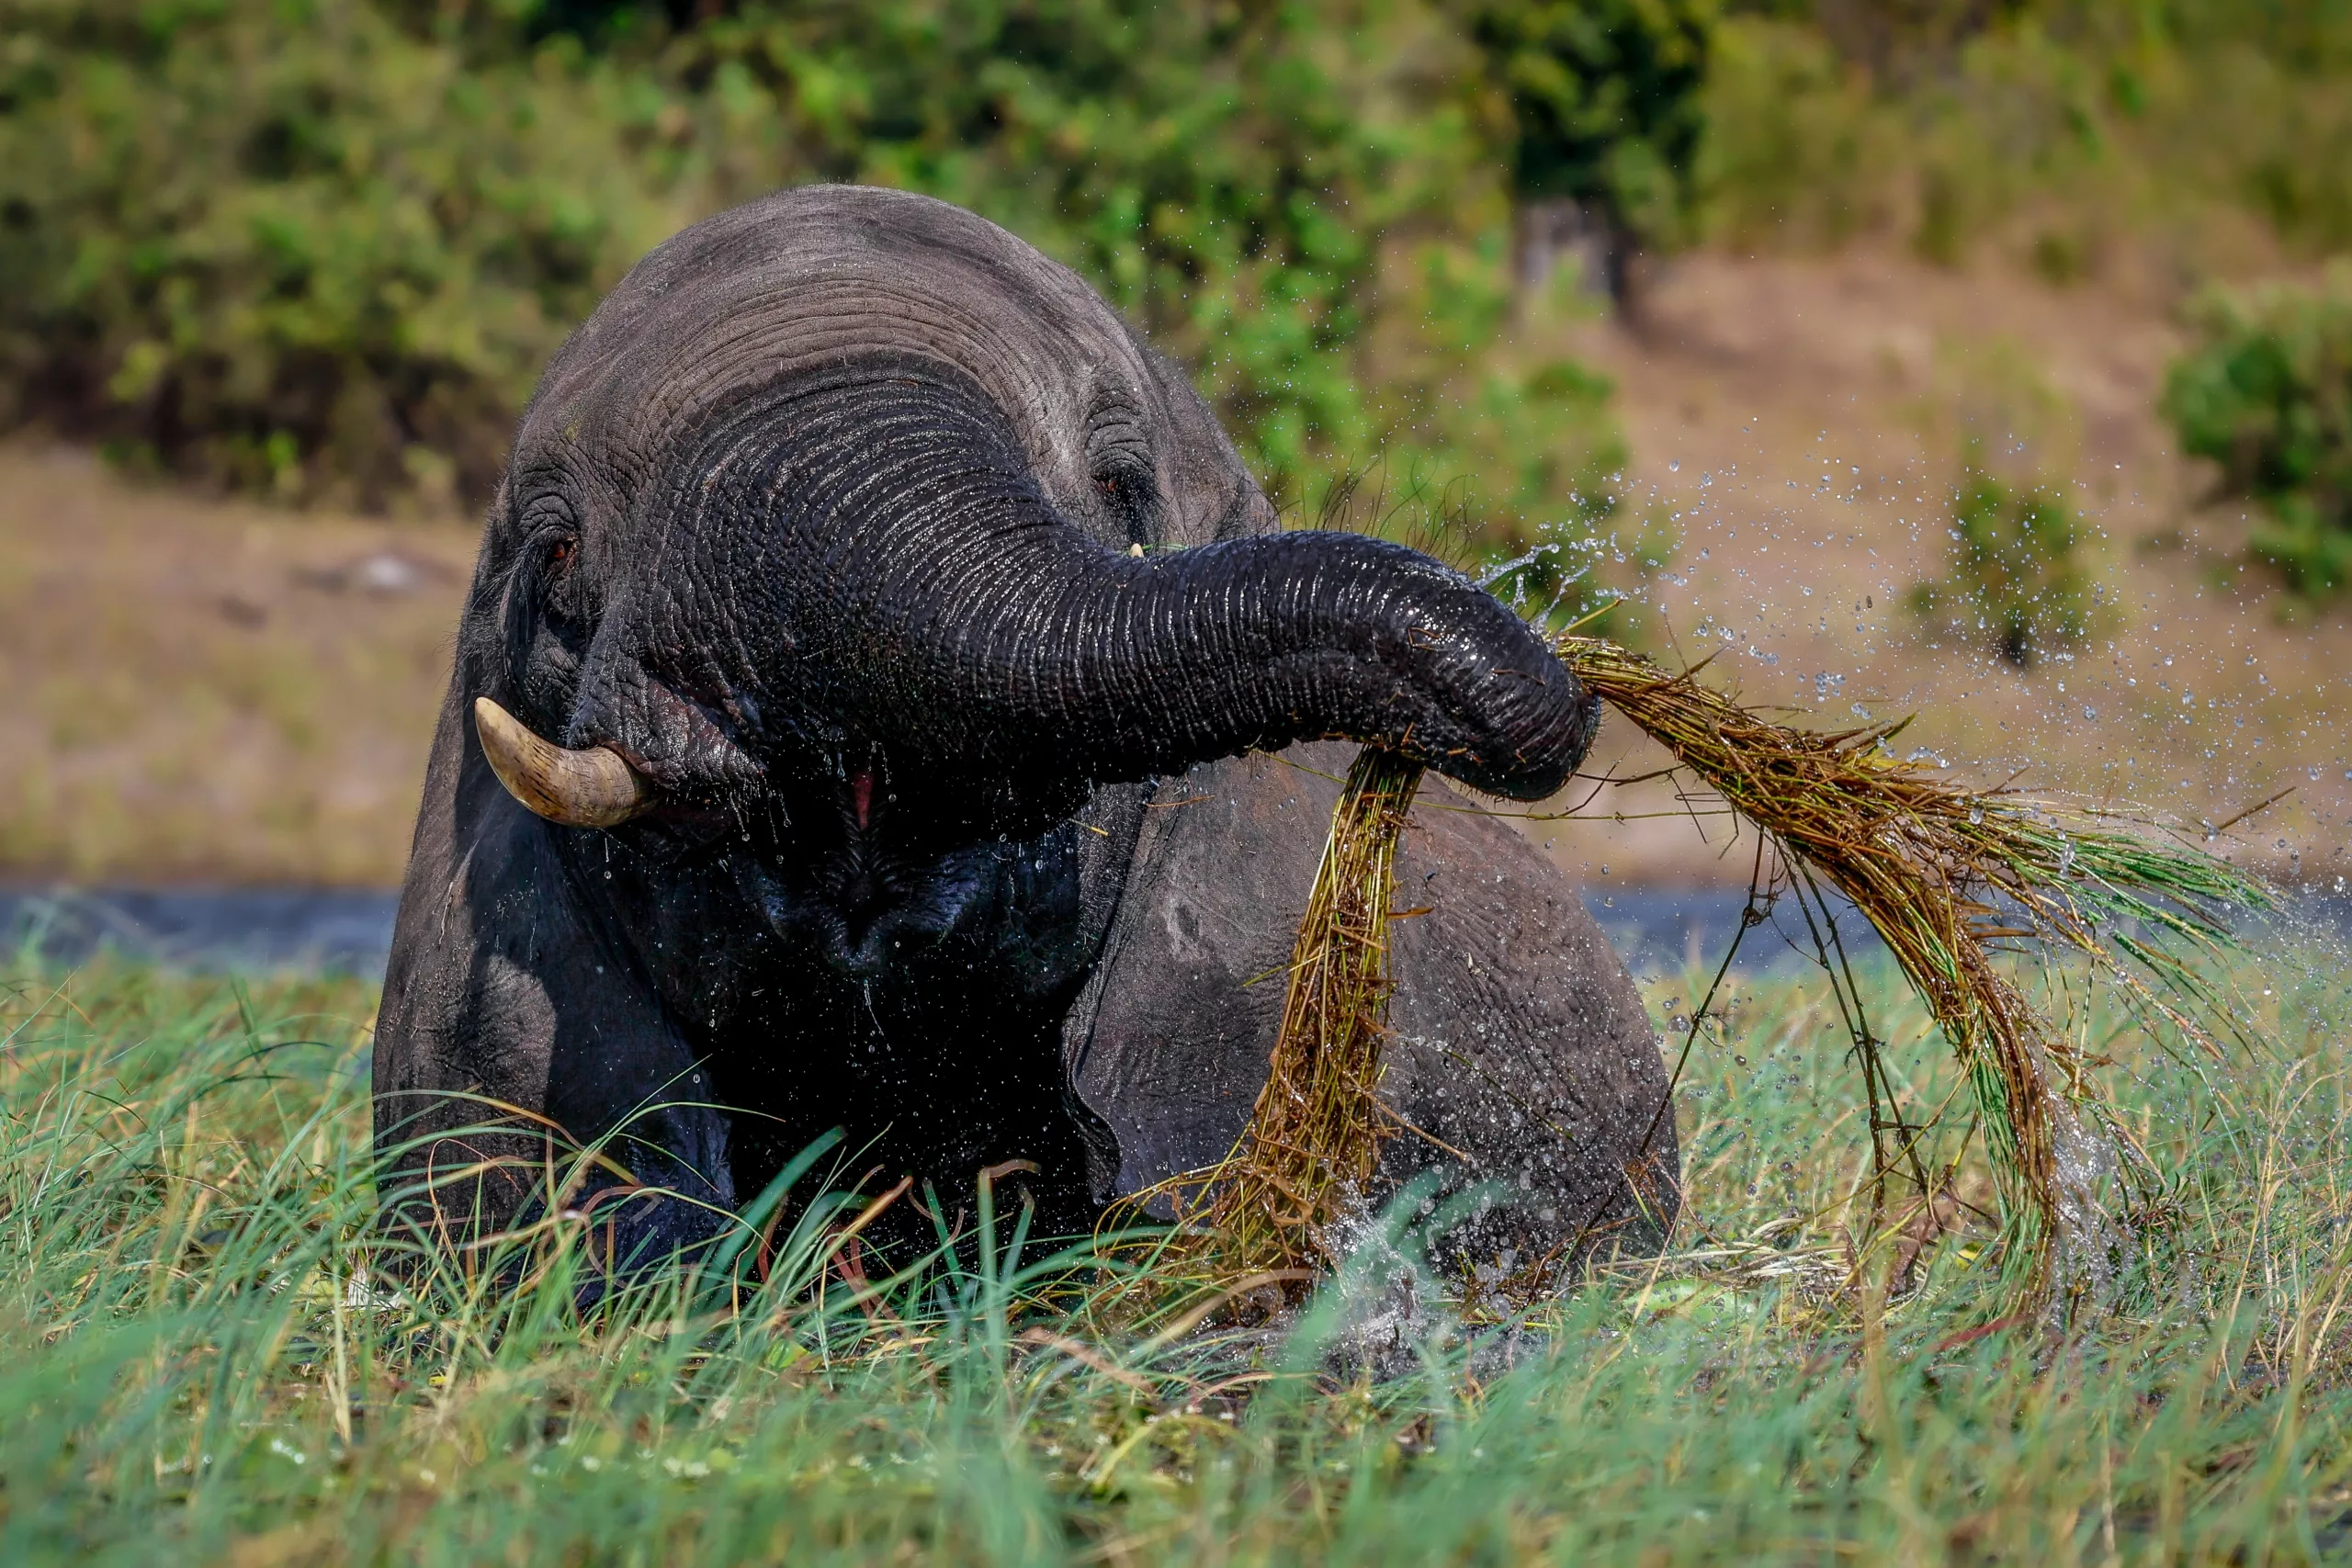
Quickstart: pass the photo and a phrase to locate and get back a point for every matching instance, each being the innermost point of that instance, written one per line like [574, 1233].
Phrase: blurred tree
[1605, 106]
[1605, 99]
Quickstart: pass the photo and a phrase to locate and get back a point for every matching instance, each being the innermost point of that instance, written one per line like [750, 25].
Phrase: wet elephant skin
[905, 573]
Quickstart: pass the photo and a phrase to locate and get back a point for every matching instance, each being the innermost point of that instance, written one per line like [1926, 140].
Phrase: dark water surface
[245, 931]
[264, 931]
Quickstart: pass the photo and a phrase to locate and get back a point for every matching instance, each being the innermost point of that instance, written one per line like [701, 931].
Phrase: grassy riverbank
[193, 1368]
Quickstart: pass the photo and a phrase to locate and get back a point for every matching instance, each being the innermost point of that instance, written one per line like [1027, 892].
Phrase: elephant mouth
[830, 868]
[841, 875]
[859, 908]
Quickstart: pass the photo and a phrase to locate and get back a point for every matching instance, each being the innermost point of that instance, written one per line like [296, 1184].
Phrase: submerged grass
[202, 1361]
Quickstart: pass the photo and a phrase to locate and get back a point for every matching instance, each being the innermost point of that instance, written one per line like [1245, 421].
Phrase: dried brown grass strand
[1948, 877]
[1314, 1137]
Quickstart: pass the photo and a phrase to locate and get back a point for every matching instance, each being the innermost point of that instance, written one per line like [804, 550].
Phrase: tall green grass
[197, 1364]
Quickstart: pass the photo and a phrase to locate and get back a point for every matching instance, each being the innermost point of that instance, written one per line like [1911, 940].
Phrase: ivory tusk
[589, 788]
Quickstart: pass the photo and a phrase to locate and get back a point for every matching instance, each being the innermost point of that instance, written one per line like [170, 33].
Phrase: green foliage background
[319, 248]
[2048, 132]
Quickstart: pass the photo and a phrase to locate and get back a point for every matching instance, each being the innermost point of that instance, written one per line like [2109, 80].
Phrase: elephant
[870, 711]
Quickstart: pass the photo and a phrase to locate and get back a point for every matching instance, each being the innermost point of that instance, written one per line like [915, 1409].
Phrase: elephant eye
[1119, 461]
[1131, 499]
[564, 589]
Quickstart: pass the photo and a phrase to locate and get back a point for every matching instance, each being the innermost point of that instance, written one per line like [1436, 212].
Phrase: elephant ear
[1519, 1039]
[1169, 1043]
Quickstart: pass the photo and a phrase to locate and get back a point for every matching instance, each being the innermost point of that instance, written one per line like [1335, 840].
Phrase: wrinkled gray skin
[827, 522]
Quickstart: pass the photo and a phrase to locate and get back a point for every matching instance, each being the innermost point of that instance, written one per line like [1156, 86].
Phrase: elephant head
[853, 527]
[844, 554]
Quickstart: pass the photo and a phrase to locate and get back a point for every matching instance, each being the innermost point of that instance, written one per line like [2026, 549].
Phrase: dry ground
[202, 692]
[198, 691]
[1799, 421]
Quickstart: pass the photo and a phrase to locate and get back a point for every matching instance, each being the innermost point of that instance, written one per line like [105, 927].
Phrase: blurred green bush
[2040, 131]
[2268, 395]
[320, 248]
[296, 247]
[2013, 568]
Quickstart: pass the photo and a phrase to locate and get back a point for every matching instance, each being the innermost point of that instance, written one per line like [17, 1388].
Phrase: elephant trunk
[1146, 666]
[886, 544]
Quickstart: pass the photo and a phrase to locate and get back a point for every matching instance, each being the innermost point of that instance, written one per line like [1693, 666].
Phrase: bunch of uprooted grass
[1315, 1132]
[1950, 880]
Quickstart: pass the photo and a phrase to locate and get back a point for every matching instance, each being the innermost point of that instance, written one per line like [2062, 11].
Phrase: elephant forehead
[804, 280]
